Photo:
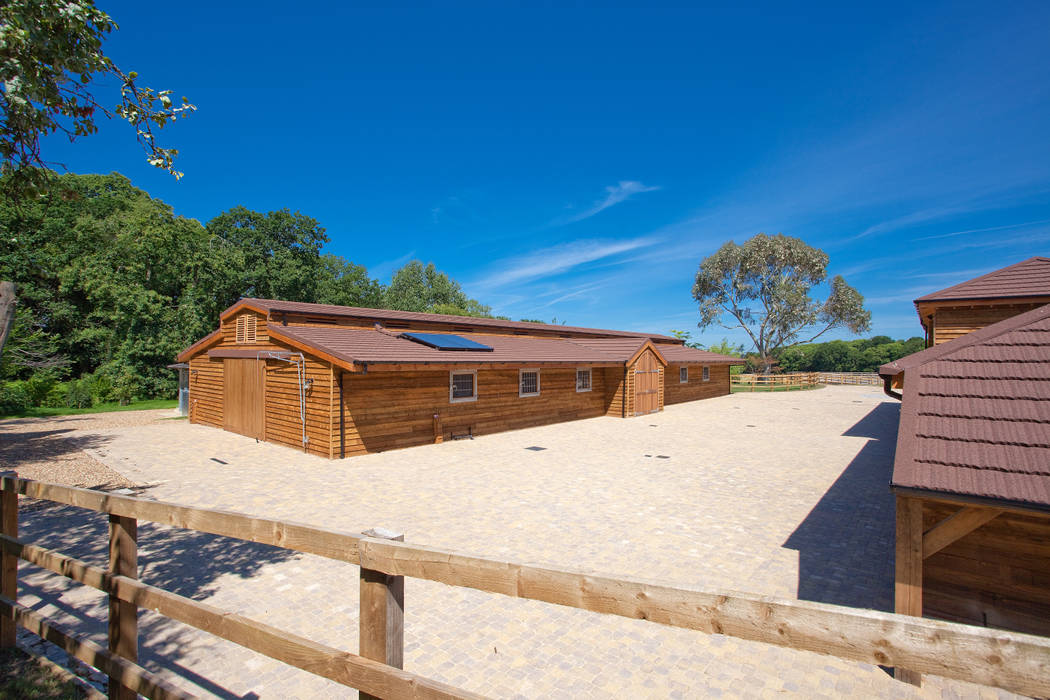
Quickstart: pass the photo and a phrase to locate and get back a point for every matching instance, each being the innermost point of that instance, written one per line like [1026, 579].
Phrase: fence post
[382, 618]
[8, 562]
[123, 616]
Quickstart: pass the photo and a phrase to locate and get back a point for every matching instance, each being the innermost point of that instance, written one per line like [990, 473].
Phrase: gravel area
[52, 449]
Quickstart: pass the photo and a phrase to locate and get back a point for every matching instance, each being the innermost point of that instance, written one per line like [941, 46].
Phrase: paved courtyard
[781, 494]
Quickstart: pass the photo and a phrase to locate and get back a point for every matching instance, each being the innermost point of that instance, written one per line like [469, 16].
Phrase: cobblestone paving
[780, 494]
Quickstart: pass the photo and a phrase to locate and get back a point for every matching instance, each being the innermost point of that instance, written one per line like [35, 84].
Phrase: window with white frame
[529, 382]
[583, 379]
[683, 375]
[462, 385]
[707, 374]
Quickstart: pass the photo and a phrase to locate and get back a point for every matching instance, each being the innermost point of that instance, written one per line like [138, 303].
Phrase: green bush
[38, 386]
[56, 398]
[13, 397]
[78, 394]
[125, 388]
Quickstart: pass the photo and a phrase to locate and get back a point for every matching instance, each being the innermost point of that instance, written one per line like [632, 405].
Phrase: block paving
[781, 494]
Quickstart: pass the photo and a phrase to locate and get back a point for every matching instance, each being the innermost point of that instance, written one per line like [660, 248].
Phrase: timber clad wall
[998, 575]
[374, 422]
[696, 388]
[951, 322]
[206, 391]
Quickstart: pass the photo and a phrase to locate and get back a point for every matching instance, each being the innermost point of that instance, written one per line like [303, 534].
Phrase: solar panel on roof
[446, 341]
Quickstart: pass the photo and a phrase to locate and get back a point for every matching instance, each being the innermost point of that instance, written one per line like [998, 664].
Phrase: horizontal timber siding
[283, 423]
[390, 410]
[695, 388]
[998, 575]
[206, 391]
[951, 322]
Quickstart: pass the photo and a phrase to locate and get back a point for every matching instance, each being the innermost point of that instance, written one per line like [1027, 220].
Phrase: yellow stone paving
[780, 494]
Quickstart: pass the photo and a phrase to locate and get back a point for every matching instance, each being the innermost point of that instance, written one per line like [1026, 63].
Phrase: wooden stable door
[646, 385]
[244, 396]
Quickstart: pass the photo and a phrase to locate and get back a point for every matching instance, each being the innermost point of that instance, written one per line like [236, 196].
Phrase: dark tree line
[112, 284]
[865, 355]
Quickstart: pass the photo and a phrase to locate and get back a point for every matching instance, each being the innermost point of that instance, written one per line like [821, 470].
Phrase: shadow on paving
[846, 543]
[44, 445]
[185, 562]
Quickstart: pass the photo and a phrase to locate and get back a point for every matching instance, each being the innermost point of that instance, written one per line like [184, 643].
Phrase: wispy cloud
[556, 260]
[383, 270]
[918, 217]
[614, 194]
[984, 230]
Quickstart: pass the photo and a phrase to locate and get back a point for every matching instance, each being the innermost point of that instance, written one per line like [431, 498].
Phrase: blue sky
[579, 163]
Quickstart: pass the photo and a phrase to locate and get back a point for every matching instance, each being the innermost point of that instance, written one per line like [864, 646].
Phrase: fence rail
[1009, 660]
[775, 382]
[860, 378]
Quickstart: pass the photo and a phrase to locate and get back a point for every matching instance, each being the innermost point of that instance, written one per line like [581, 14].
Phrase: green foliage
[79, 394]
[724, 347]
[112, 284]
[13, 397]
[865, 355]
[419, 287]
[50, 55]
[764, 287]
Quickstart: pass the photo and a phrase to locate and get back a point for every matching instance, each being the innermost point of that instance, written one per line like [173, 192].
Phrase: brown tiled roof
[975, 418]
[678, 354]
[356, 345]
[1028, 278]
[277, 306]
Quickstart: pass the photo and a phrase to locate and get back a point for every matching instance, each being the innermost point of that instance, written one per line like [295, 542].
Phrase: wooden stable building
[953, 312]
[340, 381]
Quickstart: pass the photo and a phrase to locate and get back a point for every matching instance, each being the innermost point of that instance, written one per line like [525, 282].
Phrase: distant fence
[1008, 660]
[861, 378]
[775, 382]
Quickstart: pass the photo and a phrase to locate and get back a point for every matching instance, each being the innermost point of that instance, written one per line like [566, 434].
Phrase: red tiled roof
[277, 306]
[356, 345]
[1028, 278]
[975, 417]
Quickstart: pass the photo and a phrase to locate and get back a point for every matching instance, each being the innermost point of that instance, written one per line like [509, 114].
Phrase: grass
[21, 677]
[45, 412]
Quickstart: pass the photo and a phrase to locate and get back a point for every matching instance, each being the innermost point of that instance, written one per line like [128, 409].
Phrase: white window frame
[590, 379]
[706, 376]
[451, 383]
[683, 371]
[521, 373]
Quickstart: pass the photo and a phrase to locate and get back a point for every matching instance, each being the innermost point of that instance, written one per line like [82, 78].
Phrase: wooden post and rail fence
[801, 380]
[1013, 661]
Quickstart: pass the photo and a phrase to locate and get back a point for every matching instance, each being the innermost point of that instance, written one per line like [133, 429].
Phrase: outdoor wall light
[309, 383]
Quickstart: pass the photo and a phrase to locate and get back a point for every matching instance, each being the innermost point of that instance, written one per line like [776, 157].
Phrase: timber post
[123, 616]
[8, 560]
[908, 574]
[382, 617]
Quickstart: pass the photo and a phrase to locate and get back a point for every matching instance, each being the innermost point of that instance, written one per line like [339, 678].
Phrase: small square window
[462, 386]
[707, 374]
[583, 379]
[683, 375]
[529, 382]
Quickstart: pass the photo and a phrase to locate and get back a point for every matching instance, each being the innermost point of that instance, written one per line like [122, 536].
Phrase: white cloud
[620, 192]
[555, 260]
[385, 269]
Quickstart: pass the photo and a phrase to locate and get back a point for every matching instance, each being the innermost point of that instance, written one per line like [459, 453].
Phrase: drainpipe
[887, 388]
[342, 419]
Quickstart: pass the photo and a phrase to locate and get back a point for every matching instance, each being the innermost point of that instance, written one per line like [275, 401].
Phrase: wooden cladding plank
[371, 677]
[129, 675]
[1014, 661]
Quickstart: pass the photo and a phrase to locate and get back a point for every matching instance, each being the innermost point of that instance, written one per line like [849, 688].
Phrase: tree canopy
[763, 286]
[113, 284]
[50, 59]
[865, 355]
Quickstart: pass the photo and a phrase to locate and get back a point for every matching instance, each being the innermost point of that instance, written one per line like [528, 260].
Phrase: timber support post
[382, 617]
[908, 574]
[123, 616]
[8, 560]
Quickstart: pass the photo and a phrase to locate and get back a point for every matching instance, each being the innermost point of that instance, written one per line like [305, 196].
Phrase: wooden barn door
[646, 385]
[244, 397]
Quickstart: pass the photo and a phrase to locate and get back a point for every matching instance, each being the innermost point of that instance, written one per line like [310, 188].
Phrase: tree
[50, 56]
[726, 348]
[343, 283]
[764, 286]
[419, 287]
